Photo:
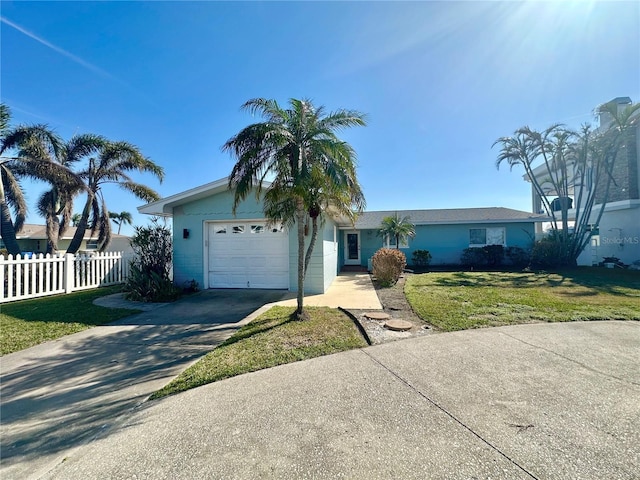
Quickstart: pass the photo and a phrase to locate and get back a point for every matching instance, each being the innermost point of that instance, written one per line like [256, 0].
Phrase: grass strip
[461, 300]
[27, 323]
[274, 338]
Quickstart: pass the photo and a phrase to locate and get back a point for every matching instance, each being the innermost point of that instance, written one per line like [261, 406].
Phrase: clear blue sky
[439, 81]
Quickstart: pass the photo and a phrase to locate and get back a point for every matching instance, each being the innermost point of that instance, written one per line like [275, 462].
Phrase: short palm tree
[113, 163]
[122, 218]
[310, 166]
[398, 228]
[25, 152]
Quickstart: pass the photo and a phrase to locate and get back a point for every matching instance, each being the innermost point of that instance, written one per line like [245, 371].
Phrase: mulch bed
[395, 304]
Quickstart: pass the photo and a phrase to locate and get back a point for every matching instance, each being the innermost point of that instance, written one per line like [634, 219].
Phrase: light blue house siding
[323, 266]
[445, 242]
[189, 260]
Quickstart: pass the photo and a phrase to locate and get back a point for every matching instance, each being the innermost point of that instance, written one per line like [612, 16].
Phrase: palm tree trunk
[300, 214]
[312, 243]
[81, 228]
[7, 230]
[53, 229]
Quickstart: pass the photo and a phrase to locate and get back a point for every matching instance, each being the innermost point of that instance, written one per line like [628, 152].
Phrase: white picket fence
[42, 275]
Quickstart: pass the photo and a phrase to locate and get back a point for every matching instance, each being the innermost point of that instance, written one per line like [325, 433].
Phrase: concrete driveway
[58, 395]
[542, 401]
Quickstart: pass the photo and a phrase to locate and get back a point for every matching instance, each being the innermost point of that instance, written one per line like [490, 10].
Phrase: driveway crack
[452, 416]
[564, 357]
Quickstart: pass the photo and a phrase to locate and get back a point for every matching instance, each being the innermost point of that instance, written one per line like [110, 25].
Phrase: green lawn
[272, 339]
[30, 322]
[461, 300]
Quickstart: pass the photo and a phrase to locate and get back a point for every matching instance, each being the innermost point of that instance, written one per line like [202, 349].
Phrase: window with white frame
[479, 237]
[390, 242]
[92, 245]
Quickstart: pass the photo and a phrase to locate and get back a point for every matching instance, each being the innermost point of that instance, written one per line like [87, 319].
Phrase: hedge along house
[445, 233]
[220, 250]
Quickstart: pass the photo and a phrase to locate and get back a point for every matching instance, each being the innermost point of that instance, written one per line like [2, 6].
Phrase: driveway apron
[58, 395]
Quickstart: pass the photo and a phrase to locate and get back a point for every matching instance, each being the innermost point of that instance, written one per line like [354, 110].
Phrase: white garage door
[248, 255]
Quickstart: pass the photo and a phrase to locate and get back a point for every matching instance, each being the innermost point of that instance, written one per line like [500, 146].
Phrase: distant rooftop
[39, 232]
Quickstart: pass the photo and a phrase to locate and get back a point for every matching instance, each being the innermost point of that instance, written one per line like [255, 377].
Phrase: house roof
[451, 216]
[39, 232]
[164, 207]
[366, 220]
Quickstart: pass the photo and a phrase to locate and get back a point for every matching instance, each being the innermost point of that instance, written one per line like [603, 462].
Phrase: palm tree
[56, 204]
[75, 219]
[112, 165]
[34, 149]
[398, 228]
[121, 218]
[311, 167]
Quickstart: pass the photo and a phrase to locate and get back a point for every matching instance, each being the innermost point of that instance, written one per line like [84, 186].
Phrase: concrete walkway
[348, 290]
[542, 401]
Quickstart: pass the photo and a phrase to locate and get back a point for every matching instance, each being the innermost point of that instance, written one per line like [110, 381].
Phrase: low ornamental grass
[461, 300]
[31, 322]
[272, 339]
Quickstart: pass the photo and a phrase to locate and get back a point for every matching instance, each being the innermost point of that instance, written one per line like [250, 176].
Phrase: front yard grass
[274, 338]
[31, 322]
[461, 300]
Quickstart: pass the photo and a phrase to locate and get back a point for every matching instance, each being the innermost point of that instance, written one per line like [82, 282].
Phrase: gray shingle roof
[372, 220]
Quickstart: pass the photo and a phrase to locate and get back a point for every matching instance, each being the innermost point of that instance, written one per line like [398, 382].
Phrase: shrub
[149, 287]
[149, 279]
[421, 258]
[547, 253]
[388, 264]
[517, 256]
[494, 254]
[473, 257]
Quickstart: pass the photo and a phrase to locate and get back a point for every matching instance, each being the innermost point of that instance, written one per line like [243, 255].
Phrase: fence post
[69, 260]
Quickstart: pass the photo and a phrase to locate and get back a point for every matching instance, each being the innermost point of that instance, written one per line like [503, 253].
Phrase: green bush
[494, 254]
[487, 256]
[517, 256]
[388, 264]
[149, 287]
[474, 257]
[149, 279]
[547, 253]
[421, 258]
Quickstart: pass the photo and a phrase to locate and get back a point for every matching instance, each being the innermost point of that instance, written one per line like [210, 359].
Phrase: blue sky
[439, 82]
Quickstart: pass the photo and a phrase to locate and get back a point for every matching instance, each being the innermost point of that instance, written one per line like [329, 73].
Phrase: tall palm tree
[122, 218]
[311, 167]
[56, 204]
[398, 228]
[112, 165]
[75, 219]
[25, 152]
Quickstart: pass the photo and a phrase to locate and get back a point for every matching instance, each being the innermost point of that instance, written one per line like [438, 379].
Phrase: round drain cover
[398, 325]
[377, 315]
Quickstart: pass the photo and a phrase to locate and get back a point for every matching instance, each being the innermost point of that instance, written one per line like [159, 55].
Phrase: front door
[351, 248]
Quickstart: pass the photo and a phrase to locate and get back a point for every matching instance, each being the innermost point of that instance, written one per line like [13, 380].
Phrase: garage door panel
[254, 257]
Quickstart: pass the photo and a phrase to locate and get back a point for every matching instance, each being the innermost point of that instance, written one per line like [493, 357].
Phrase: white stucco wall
[619, 235]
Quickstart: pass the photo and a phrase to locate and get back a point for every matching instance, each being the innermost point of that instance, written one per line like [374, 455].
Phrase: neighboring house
[33, 238]
[618, 234]
[219, 250]
[444, 232]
